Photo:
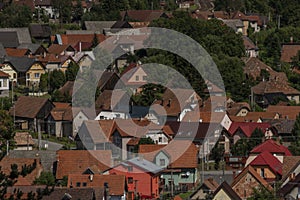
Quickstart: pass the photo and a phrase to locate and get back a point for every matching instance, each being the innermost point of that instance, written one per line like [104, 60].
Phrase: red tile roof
[289, 112]
[23, 138]
[247, 127]
[16, 52]
[77, 161]
[267, 159]
[4, 75]
[271, 146]
[57, 49]
[288, 51]
[116, 183]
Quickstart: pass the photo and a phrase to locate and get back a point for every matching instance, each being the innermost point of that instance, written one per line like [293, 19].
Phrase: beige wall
[140, 73]
[221, 195]
[31, 74]
[9, 70]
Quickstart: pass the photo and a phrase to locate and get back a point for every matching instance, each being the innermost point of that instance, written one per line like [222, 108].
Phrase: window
[160, 139]
[36, 75]
[144, 78]
[137, 78]
[130, 180]
[0, 83]
[78, 184]
[262, 172]
[15, 75]
[130, 169]
[27, 75]
[162, 162]
[84, 184]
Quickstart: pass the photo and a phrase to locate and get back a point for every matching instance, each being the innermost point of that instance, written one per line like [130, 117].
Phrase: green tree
[295, 144]
[217, 154]
[63, 9]
[72, 71]
[261, 193]
[77, 12]
[43, 85]
[5, 103]
[149, 93]
[15, 16]
[6, 130]
[57, 79]
[14, 173]
[46, 178]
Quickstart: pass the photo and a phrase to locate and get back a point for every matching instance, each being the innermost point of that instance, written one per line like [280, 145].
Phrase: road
[51, 145]
[218, 176]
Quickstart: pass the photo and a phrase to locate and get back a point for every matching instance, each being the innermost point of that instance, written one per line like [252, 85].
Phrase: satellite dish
[188, 173]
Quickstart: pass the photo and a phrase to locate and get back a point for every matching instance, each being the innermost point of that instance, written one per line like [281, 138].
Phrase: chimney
[106, 191]
[291, 39]
[91, 176]
[79, 46]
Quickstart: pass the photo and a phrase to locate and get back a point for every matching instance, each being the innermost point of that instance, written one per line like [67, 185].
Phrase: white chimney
[79, 46]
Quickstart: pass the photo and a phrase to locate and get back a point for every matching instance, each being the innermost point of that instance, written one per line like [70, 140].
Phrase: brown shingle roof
[289, 112]
[253, 67]
[57, 49]
[28, 107]
[116, 183]
[142, 15]
[187, 159]
[16, 52]
[288, 163]
[76, 193]
[288, 51]
[77, 161]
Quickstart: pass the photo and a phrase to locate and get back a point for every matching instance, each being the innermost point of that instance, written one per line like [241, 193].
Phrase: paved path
[53, 146]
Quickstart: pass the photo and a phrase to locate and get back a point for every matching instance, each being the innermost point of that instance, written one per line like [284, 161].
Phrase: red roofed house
[82, 161]
[4, 84]
[267, 166]
[271, 146]
[143, 15]
[142, 177]
[288, 51]
[116, 184]
[244, 183]
[238, 130]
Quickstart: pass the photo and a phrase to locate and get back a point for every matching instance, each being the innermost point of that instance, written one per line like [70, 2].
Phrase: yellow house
[34, 73]
[9, 69]
[225, 192]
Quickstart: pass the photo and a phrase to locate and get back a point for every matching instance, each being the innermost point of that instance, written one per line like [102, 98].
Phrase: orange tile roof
[23, 138]
[289, 112]
[116, 183]
[77, 161]
[187, 159]
[288, 51]
[16, 52]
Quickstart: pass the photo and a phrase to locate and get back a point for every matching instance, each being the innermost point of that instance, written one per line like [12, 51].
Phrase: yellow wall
[36, 68]
[221, 195]
[9, 70]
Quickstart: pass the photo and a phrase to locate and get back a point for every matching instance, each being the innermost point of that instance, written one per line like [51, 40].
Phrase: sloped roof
[31, 47]
[228, 190]
[21, 64]
[146, 165]
[289, 112]
[233, 23]
[98, 26]
[187, 159]
[77, 161]
[289, 162]
[28, 107]
[272, 147]
[254, 117]
[267, 159]
[76, 193]
[253, 67]
[274, 86]
[249, 45]
[116, 183]
[9, 39]
[235, 107]
[42, 2]
[4, 75]
[23, 35]
[67, 88]
[58, 49]
[247, 127]
[252, 171]
[62, 112]
[40, 30]
[16, 52]
[142, 15]
[288, 51]
[28, 3]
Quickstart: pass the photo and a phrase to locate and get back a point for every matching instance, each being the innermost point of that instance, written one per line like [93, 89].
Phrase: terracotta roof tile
[77, 161]
[116, 183]
[23, 138]
[16, 52]
[57, 49]
[142, 15]
[28, 107]
[254, 117]
[187, 159]
[288, 51]
[289, 112]
[247, 127]
[287, 165]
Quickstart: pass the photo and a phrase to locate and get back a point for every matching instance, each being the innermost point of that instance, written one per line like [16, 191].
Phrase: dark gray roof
[21, 64]
[9, 39]
[22, 33]
[47, 157]
[75, 193]
[40, 30]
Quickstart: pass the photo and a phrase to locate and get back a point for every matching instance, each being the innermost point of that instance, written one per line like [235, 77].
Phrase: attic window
[78, 184]
[84, 184]
[130, 180]
[162, 162]
[130, 169]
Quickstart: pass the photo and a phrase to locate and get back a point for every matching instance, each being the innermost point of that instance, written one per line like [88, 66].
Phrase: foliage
[261, 193]
[5, 103]
[244, 145]
[57, 79]
[63, 9]
[43, 85]
[46, 178]
[217, 154]
[72, 71]
[295, 144]
[77, 12]
[150, 92]
[15, 16]
[6, 129]
[146, 140]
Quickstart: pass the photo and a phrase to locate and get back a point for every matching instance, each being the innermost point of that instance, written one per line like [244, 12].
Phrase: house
[4, 84]
[79, 116]
[23, 141]
[206, 188]
[235, 24]
[17, 52]
[34, 49]
[258, 117]
[13, 191]
[143, 15]
[76, 193]
[245, 182]
[179, 160]
[288, 51]
[176, 103]
[61, 50]
[254, 67]
[251, 49]
[81, 161]
[238, 108]
[33, 166]
[134, 76]
[225, 192]
[212, 89]
[23, 70]
[283, 128]
[285, 112]
[116, 184]
[113, 104]
[290, 178]
[142, 177]
[267, 166]
[240, 130]
[271, 146]
[40, 32]
[60, 120]
[30, 112]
